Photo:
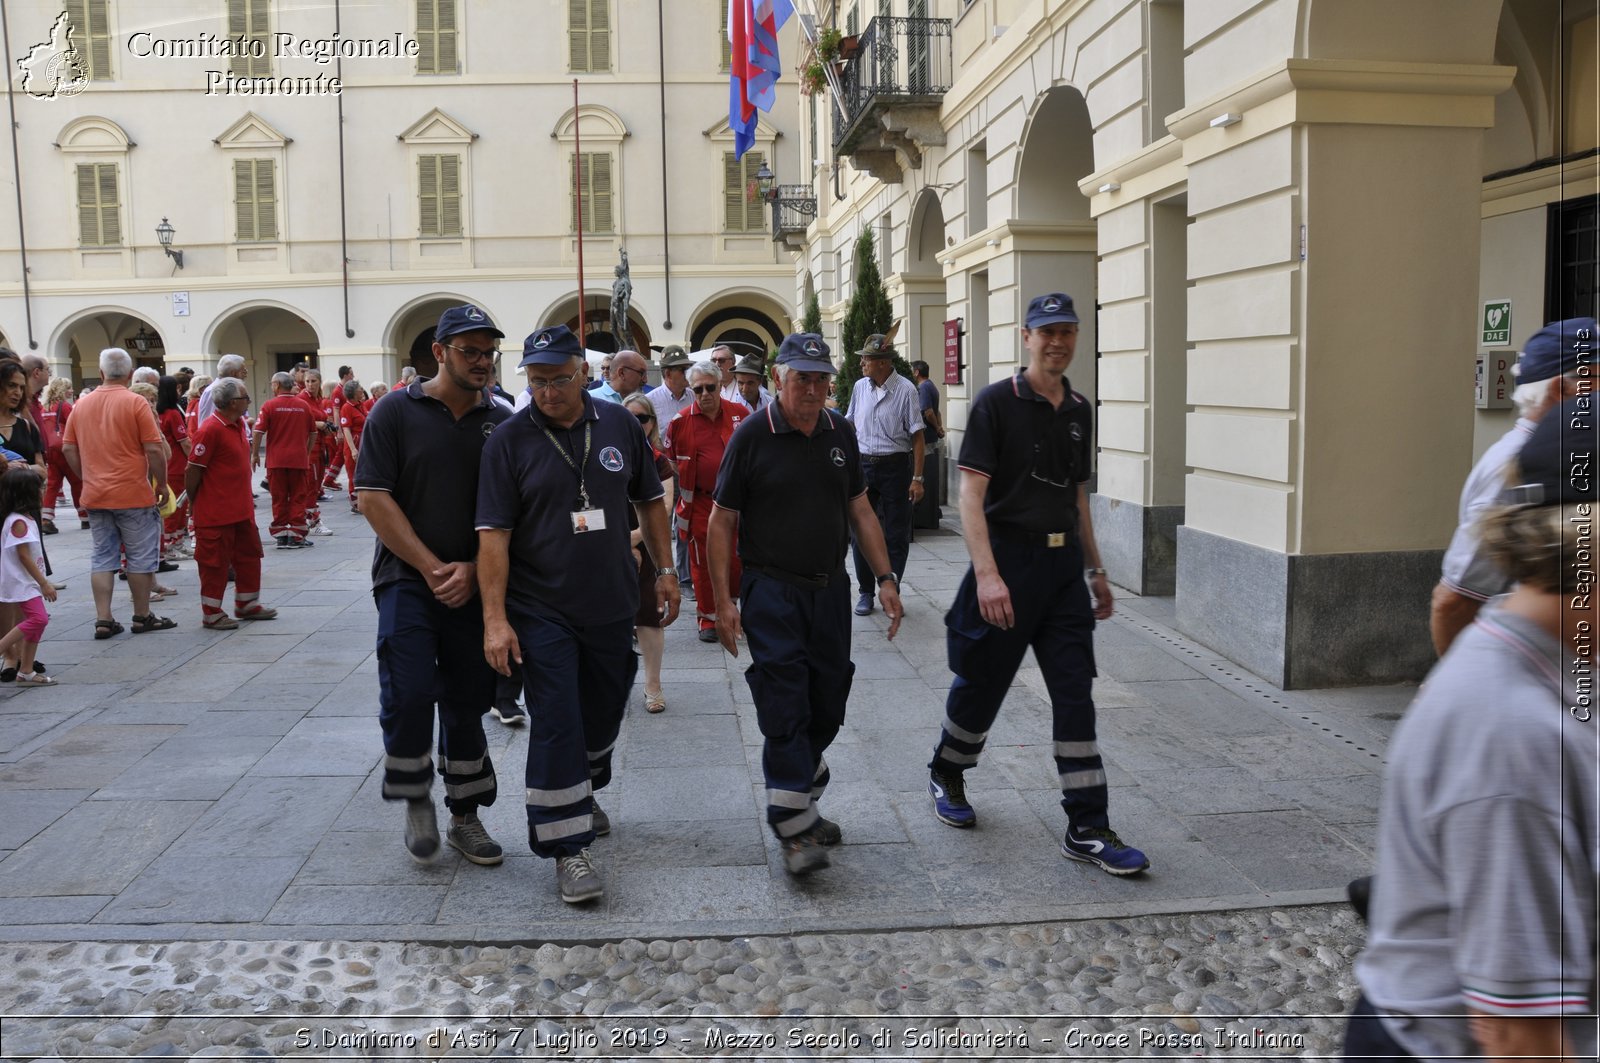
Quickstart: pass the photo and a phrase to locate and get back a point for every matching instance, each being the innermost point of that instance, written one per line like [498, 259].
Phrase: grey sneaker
[422, 830]
[473, 840]
[578, 878]
[602, 822]
[804, 853]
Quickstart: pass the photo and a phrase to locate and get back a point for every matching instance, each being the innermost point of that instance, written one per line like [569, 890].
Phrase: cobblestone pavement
[210, 801]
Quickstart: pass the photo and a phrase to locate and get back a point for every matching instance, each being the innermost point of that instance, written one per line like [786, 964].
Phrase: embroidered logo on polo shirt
[611, 459]
[199, 449]
[837, 457]
[488, 426]
[1076, 432]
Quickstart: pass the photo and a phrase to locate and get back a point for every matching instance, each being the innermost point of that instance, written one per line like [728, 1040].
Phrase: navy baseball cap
[459, 319]
[1052, 309]
[1556, 464]
[1559, 347]
[555, 345]
[806, 352]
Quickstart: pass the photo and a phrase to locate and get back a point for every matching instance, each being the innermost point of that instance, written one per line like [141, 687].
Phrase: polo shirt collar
[1023, 390]
[414, 391]
[779, 424]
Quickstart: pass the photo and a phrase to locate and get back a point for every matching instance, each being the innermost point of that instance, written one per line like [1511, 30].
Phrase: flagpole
[577, 195]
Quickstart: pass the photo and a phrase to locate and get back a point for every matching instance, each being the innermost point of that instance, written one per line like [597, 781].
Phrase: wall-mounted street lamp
[142, 338]
[164, 233]
[764, 182]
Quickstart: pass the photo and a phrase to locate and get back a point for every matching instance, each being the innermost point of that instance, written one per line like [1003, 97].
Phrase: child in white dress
[21, 580]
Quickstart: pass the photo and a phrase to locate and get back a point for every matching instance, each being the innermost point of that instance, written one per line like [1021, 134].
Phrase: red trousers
[339, 460]
[288, 488]
[174, 528]
[216, 548]
[56, 465]
[705, 598]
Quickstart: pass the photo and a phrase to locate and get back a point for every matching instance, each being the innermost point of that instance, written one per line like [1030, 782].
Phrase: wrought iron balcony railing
[904, 61]
[793, 209]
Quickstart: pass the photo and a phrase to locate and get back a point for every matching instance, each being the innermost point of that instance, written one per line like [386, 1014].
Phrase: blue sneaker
[950, 800]
[1101, 846]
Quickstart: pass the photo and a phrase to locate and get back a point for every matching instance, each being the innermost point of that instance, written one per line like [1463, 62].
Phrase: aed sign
[1496, 323]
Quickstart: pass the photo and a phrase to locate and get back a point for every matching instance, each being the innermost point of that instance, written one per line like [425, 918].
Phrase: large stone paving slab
[174, 785]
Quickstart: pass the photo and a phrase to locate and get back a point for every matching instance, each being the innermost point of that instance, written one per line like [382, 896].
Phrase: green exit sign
[1496, 323]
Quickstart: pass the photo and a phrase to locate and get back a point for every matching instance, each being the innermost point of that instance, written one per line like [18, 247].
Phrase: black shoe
[508, 712]
[8, 675]
[827, 832]
[39, 668]
[708, 634]
[864, 605]
[48, 527]
[84, 525]
[166, 566]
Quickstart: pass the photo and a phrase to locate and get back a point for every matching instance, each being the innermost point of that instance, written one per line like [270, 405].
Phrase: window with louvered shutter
[741, 195]
[589, 29]
[437, 48]
[722, 39]
[255, 200]
[91, 36]
[99, 216]
[249, 25]
[439, 195]
[594, 187]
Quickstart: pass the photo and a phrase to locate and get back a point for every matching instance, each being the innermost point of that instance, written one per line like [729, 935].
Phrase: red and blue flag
[753, 64]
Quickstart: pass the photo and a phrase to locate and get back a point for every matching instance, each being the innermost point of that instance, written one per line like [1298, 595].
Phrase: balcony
[890, 93]
[793, 208]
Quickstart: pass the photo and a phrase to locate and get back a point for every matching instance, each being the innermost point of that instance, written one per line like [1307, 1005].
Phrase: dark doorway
[422, 359]
[287, 360]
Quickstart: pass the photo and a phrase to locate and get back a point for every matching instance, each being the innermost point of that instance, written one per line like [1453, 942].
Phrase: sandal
[655, 701]
[34, 680]
[152, 622]
[104, 629]
[219, 622]
[260, 612]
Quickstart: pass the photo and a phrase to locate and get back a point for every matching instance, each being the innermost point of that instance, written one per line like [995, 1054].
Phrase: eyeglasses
[540, 383]
[705, 389]
[474, 354]
[724, 360]
[627, 369]
[645, 418]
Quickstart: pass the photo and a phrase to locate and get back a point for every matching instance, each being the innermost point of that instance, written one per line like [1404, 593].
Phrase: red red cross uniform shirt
[697, 446]
[353, 417]
[224, 498]
[287, 420]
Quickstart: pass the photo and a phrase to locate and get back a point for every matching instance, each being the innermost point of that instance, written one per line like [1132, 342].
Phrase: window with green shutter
[249, 27]
[593, 187]
[255, 200]
[99, 212]
[437, 45]
[439, 195]
[741, 194]
[589, 28]
[91, 36]
[722, 39]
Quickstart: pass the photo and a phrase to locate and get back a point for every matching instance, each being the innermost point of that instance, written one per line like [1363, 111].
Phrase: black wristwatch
[886, 577]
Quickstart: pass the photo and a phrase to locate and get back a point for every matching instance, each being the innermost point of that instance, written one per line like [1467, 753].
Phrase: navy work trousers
[889, 491]
[799, 675]
[1050, 601]
[577, 681]
[430, 655]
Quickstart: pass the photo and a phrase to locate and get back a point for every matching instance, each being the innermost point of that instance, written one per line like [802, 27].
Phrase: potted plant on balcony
[828, 44]
[813, 79]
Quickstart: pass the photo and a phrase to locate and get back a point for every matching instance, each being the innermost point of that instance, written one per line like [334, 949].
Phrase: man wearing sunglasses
[417, 476]
[628, 372]
[560, 587]
[1025, 463]
[698, 436]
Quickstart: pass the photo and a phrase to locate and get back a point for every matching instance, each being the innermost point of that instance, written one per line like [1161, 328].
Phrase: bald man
[628, 371]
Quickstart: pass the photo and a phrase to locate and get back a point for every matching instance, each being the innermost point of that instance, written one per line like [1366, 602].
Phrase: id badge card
[588, 520]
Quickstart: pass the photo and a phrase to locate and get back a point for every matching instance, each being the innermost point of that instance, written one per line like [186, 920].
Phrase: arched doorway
[272, 338]
[411, 331]
[595, 328]
[742, 317]
[78, 342]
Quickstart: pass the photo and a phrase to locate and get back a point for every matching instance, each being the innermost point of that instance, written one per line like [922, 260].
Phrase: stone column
[1334, 257]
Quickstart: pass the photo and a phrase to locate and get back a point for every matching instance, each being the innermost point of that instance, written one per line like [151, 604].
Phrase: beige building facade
[336, 174]
[1286, 224]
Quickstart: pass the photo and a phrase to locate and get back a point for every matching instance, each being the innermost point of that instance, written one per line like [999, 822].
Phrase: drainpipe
[344, 225]
[16, 171]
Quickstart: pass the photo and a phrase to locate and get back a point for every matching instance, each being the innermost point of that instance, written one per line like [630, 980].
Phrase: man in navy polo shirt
[560, 588]
[418, 478]
[1025, 464]
[791, 486]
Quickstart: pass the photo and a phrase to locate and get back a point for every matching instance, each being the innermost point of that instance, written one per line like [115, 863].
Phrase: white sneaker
[322, 529]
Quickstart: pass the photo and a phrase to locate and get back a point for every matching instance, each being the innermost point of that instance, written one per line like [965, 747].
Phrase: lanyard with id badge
[586, 517]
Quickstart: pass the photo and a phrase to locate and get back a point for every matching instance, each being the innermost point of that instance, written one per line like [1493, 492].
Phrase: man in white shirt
[888, 420]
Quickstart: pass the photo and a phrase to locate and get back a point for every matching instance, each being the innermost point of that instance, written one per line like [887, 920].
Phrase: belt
[873, 459]
[1022, 536]
[817, 582]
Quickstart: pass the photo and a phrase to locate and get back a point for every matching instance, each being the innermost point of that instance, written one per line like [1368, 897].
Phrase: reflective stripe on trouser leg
[1064, 648]
[819, 781]
[577, 682]
[800, 678]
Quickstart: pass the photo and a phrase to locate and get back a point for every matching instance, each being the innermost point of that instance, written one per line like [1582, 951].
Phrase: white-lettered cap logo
[542, 342]
[1050, 306]
[837, 457]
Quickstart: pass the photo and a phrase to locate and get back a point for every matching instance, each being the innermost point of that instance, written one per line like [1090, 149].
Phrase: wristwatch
[916, 479]
[1095, 571]
[666, 572]
[886, 577]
